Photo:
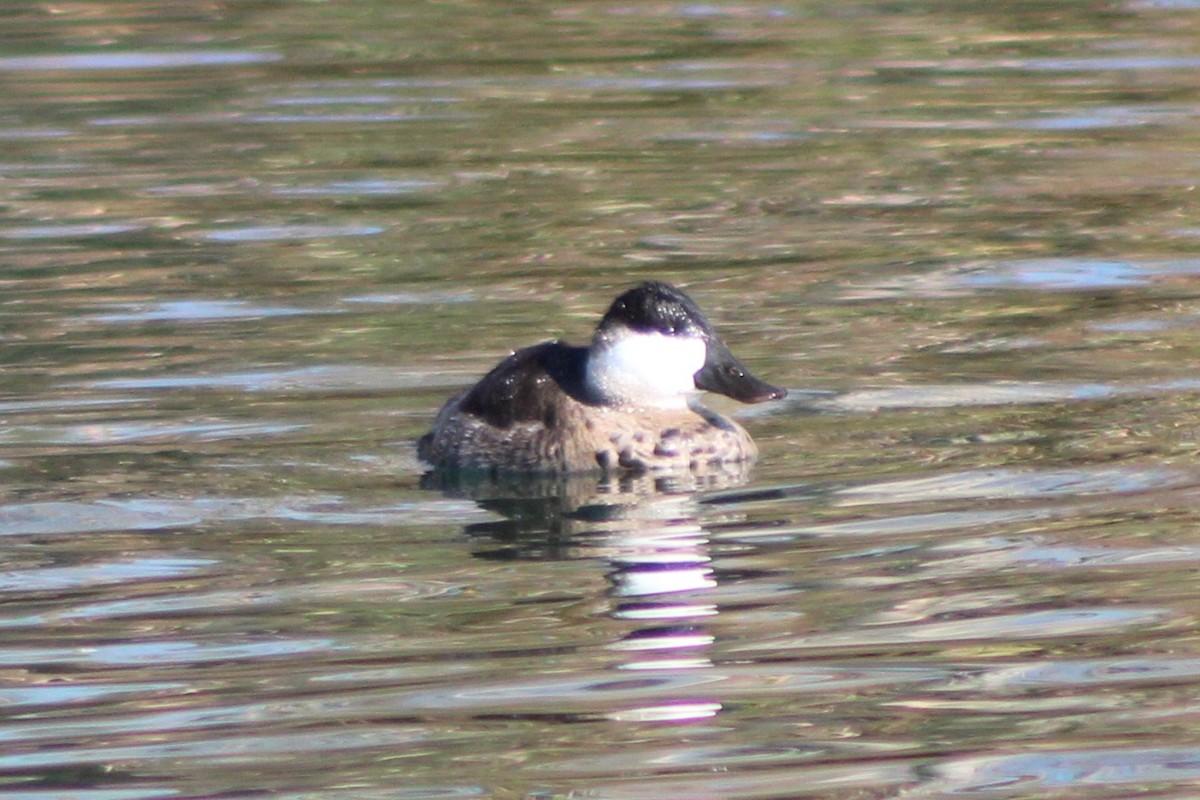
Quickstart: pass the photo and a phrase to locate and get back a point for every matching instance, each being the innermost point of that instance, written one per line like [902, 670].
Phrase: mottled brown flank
[529, 414]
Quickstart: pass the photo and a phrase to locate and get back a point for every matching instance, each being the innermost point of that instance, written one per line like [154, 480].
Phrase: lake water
[247, 249]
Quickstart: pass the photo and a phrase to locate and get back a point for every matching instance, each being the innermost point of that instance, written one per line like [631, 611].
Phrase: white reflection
[666, 641]
[678, 712]
[648, 530]
[672, 611]
[635, 582]
[670, 664]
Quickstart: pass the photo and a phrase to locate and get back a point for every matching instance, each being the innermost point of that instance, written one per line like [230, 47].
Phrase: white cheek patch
[647, 369]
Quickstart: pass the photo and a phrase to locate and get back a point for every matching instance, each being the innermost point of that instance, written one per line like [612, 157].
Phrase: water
[248, 249]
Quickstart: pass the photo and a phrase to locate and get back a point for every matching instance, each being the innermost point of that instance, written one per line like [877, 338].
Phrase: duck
[627, 401]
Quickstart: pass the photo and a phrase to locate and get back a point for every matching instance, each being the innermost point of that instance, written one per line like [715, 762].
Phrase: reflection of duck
[546, 515]
[627, 401]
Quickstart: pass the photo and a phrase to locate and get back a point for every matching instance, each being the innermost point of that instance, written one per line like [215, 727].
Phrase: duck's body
[532, 413]
[628, 401]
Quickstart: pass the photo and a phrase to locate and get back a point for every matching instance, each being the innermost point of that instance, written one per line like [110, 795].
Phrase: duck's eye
[734, 372]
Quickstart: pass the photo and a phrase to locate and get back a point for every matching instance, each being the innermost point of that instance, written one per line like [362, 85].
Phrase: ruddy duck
[627, 401]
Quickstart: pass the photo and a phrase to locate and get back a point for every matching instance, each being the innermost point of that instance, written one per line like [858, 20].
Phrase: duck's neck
[647, 369]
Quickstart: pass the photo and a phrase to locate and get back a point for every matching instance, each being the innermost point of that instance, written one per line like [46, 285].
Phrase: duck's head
[654, 347]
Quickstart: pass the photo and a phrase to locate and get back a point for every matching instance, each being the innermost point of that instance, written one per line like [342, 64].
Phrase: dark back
[529, 385]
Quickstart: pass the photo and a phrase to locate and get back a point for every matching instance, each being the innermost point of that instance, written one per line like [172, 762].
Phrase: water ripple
[1078, 674]
[871, 776]
[1063, 623]
[200, 310]
[1080, 274]
[70, 231]
[260, 746]
[1087, 64]
[371, 186]
[160, 653]
[153, 513]
[1015, 484]
[321, 378]
[1056, 771]
[57, 695]
[902, 525]
[275, 233]
[125, 60]
[119, 571]
[998, 554]
[583, 692]
[969, 395]
[686, 757]
[112, 433]
[227, 118]
[216, 602]
[93, 794]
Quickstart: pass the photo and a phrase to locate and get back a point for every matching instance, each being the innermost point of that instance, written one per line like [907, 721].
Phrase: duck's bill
[724, 374]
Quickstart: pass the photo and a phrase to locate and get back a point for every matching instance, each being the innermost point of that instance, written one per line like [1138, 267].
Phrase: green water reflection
[249, 248]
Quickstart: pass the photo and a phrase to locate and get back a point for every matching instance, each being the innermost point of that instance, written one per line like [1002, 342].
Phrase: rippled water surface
[248, 248]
